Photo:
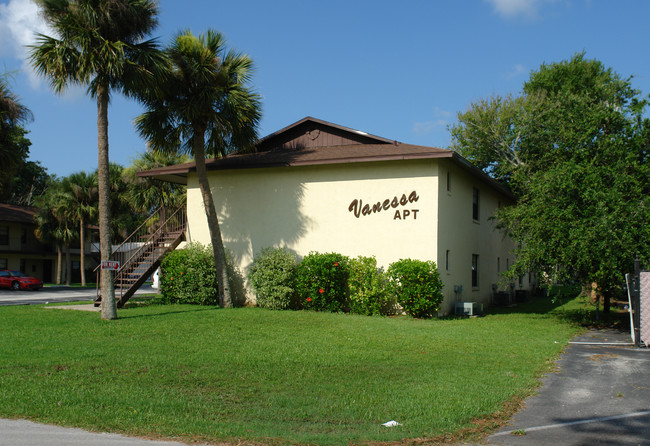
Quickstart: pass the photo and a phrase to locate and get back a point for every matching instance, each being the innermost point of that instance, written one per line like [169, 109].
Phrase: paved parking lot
[599, 395]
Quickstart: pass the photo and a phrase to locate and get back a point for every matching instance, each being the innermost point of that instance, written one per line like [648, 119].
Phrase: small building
[317, 186]
[21, 250]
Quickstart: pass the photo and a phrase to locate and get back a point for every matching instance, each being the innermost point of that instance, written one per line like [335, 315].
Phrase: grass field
[254, 375]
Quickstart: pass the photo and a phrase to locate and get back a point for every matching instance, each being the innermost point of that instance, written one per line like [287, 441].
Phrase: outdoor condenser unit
[468, 308]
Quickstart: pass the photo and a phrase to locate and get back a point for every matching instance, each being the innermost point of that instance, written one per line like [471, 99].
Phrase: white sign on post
[110, 264]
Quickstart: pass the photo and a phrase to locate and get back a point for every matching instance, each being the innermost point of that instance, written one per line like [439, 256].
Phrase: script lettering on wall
[359, 209]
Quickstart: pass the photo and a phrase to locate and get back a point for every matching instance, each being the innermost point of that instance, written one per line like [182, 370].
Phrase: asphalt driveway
[600, 395]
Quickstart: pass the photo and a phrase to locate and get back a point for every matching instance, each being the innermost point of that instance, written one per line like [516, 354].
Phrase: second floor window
[475, 204]
[4, 235]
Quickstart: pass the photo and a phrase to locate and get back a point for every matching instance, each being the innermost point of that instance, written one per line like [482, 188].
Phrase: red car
[18, 281]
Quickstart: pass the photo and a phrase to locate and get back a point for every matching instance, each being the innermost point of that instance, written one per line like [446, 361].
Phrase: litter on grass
[391, 423]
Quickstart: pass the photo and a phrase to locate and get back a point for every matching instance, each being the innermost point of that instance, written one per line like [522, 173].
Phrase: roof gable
[311, 142]
[310, 133]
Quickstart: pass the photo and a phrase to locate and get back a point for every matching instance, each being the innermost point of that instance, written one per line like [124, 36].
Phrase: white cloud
[440, 120]
[20, 20]
[516, 8]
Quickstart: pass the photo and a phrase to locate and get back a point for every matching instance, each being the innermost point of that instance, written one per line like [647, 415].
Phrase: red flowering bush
[322, 282]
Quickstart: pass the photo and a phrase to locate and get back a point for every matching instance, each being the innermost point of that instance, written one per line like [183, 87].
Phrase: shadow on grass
[536, 305]
[127, 315]
[576, 310]
[156, 301]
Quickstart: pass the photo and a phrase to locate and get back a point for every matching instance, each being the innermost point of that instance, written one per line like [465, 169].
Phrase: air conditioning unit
[468, 308]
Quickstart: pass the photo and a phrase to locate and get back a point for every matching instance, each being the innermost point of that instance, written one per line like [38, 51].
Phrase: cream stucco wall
[307, 209]
[461, 237]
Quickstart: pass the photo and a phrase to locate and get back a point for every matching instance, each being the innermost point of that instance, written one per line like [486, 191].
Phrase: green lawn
[248, 374]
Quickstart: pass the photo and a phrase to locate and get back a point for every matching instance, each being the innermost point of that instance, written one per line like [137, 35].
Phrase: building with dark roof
[21, 250]
[317, 186]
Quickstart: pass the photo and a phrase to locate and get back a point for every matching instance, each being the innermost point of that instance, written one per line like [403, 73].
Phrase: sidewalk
[27, 433]
[600, 395]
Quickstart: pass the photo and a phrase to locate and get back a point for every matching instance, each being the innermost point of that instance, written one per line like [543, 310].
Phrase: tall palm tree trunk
[82, 240]
[68, 265]
[108, 306]
[59, 255]
[223, 286]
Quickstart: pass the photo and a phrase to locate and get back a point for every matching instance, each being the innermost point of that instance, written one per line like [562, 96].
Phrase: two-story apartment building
[317, 186]
[21, 250]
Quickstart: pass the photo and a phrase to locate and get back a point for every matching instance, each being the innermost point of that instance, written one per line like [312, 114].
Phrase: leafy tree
[14, 147]
[99, 44]
[492, 134]
[31, 181]
[80, 201]
[581, 171]
[203, 107]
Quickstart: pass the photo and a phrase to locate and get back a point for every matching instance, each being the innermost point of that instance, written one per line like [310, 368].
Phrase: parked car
[19, 281]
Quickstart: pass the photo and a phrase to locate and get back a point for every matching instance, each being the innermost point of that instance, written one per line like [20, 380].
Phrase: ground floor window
[474, 270]
[3, 263]
[4, 235]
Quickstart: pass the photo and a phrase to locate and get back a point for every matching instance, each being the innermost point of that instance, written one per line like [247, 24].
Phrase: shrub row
[334, 282]
[320, 282]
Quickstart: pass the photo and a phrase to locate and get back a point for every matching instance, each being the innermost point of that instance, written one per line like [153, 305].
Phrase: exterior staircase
[141, 253]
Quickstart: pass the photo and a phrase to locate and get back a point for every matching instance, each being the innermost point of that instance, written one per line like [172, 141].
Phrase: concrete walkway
[599, 396]
[53, 294]
[26, 433]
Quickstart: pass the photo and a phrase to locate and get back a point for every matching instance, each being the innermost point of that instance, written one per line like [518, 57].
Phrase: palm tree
[81, 193]
[12, 112]
[124, 220]
[52, 225]
[100, 44]
[204, 107]
[146, 194]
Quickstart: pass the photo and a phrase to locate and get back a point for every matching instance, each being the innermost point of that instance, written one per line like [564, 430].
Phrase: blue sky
[401, 70]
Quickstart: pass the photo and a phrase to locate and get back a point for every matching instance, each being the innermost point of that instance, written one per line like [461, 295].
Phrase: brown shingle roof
[354, 153]
[17, 214]
[376, 149]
